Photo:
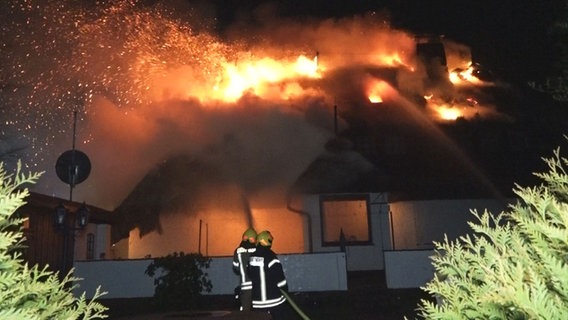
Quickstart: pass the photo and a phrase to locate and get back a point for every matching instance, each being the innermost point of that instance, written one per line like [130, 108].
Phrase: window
[90, 246]
[26, 224]
[26, 227]
[347, 214]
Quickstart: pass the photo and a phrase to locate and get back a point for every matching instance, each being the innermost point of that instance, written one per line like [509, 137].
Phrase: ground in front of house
[367, 298]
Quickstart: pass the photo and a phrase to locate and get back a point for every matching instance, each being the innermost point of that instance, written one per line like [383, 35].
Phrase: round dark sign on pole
[73, 167]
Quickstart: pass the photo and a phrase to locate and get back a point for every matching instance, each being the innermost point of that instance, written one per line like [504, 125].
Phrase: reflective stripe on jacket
[267, 276]
[240, 264]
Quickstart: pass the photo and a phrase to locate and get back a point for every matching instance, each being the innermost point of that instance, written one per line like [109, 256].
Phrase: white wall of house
[294, 232]
[217, 233]
[417, 224]
[402, 234]
[212, 233]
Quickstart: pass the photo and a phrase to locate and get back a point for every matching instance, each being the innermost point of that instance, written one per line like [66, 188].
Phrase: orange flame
[260, 76]
[451, 111]
[392, 60]
[460, 76]
[378, 90]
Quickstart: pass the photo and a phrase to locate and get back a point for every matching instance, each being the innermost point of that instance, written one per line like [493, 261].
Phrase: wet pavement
[367, 298]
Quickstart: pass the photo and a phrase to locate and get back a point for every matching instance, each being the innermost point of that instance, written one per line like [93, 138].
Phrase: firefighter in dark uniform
[240, 265]
[267, 276]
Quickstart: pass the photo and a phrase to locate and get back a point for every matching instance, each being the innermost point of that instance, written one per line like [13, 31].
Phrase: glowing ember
[449, 112]
[375, 98]
[467, 108]
[460, 76]
[307, 67]
[378, 90]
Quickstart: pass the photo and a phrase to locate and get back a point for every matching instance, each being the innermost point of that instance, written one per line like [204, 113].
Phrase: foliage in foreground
[179, 279]
[32, 293]
[556, 82]
[514, 266]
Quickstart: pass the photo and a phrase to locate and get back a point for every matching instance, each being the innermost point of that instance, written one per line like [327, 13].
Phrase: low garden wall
[127, 278]
[408, 268]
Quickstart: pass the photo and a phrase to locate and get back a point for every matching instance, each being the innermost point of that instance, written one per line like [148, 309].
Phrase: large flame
[378, 90]
[258, 76]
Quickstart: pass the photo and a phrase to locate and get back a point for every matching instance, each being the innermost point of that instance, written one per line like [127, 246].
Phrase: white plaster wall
[213, 234]
[220, 233]
[417, 224]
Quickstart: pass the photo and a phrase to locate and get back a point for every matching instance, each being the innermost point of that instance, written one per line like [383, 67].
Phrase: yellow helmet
[264, 238]
[249, 235]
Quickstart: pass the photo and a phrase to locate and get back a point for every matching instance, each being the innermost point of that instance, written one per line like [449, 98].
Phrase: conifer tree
[514, 265]
[31, 292]
[556, 83]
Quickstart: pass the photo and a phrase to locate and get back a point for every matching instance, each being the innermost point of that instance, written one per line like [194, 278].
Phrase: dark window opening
[345, 217]
[90, 246]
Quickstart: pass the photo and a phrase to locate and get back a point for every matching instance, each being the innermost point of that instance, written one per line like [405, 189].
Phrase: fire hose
[294, 305]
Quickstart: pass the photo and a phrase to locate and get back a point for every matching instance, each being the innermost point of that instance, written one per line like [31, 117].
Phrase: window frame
[90, 246]
[345, 197]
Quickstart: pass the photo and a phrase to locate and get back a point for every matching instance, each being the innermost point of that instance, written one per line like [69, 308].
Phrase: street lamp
[61, 217]
[61, 224]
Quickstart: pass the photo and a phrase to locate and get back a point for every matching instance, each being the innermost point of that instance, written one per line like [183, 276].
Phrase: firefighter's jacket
[241, 258]
[267, 276]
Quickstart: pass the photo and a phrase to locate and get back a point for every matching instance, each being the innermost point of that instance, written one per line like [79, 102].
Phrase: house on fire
[344, 200]
[363, 195]
[390, 181]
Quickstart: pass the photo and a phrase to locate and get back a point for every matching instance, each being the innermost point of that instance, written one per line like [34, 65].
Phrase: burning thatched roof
[178, 183]
[341, 170]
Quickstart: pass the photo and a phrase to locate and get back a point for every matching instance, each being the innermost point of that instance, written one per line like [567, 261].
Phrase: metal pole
[335, 119]
[199, 243]
[73, 171]
[392, 230]
[74, 128]
[206, 239]
[65, 240]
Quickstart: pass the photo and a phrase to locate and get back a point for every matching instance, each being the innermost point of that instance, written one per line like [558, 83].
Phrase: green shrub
[180, 280]
[32, 293]
[514, 265]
